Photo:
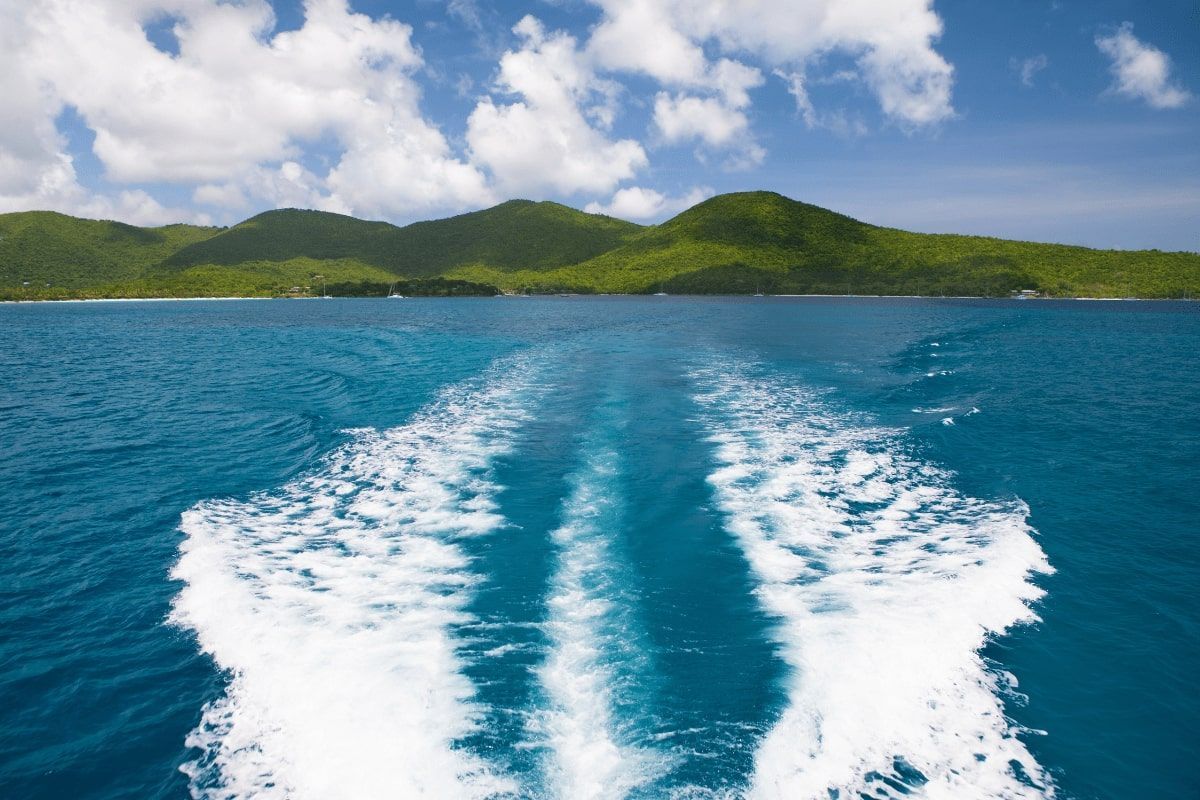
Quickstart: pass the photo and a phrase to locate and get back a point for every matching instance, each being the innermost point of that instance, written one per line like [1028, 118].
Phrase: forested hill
[734, 243]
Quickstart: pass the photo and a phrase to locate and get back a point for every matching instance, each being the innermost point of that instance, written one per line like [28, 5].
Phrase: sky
[1047, 120]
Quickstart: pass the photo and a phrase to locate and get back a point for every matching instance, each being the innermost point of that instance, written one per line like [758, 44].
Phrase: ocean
[573, 547]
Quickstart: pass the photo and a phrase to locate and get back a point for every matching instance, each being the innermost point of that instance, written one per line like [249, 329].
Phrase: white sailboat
[393, 294]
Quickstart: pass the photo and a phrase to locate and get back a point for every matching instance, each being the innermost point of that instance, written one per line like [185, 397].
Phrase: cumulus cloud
[681, 117]
[554, 136]
[228, 196]
[1140, 70]
[1028, 68]
[892, 44]
[717, 120]
[638, 203]
[328, 115]
[236, 102]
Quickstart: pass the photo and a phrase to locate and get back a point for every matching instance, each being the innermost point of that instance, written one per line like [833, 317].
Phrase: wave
[333, 601]
[596, 655]
[886, 584]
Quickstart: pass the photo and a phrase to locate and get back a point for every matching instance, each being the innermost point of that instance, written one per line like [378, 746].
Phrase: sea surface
[584, 548]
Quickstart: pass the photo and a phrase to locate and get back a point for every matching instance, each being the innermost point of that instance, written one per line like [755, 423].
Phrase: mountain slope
[739, 242]
[732, 243]
[288, 234]
[513, 235]
[516, 234]
[69, 253]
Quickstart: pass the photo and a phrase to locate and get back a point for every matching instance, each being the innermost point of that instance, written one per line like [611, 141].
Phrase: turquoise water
[605, 547]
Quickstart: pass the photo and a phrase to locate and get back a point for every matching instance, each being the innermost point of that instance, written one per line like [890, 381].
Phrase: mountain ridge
[731, 243]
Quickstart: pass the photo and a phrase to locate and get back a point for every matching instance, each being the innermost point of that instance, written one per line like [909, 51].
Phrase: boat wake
[332, 604]
[596, 660]
[886, 584]
[338, 605]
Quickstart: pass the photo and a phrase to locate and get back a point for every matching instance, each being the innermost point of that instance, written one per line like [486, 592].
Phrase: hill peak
[276, 215]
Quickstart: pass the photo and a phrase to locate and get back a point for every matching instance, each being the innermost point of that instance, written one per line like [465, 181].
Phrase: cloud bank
[239, 114]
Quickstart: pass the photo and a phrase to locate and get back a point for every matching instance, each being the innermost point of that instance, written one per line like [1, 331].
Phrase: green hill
[287, 234]
[732, 243]
[41, 247]
[516, 234]
[740, 242]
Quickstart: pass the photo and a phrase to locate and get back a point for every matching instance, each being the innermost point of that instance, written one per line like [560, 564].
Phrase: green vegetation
[733, 243]
[736, 243]
[69, 254]
[418, 287]
[513, 235]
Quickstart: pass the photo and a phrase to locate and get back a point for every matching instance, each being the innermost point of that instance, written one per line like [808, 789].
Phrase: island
[739, 243]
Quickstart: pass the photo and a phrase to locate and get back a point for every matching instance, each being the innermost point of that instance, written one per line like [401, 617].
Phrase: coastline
[146, 299]
[608, 294]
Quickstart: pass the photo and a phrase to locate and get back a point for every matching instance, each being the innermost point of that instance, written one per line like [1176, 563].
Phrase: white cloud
[227, 196]
[838, 122]
[891, 42]
[547, 139]
[682, 117]
[1140, 70]
[236, 102]
[638, 203]
[35, 170]
[710, 120]
[55, 188]
[1028, 68]
[292, 186]
[467, 11]
[329, 115]
[642, 36]
[717, 120]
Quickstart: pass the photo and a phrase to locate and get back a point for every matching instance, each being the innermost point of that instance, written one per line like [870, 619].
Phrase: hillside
[516, 234]
[732, 243]
[739, 242]
[69, 253]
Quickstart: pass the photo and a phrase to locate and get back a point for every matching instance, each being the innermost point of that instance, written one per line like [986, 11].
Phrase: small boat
[324, 296]
[393, 294]
[758, 292]
[660, 292]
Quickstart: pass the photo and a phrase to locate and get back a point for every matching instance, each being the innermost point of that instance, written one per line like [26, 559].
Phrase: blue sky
[1052, 120]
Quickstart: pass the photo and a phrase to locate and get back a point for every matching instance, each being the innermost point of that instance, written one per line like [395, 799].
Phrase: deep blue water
[607, 547]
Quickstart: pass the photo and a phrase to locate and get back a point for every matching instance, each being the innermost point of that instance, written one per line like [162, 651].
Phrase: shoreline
[608, 294]
[144, 299]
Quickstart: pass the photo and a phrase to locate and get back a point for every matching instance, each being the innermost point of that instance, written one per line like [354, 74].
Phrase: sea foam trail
[332, 603]
[886, 583]
[596, 655]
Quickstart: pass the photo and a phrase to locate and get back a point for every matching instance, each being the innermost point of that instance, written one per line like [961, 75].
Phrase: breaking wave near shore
[332, 604]
[885, 584]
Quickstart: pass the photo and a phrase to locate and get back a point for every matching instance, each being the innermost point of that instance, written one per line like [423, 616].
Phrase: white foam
[886, 584]
[332, 603]
[592, 634]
